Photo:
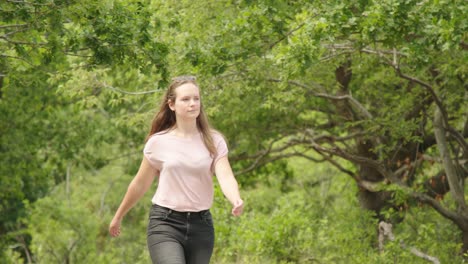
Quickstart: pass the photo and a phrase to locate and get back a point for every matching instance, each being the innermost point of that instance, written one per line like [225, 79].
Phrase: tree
[42, 132]
[377, 89]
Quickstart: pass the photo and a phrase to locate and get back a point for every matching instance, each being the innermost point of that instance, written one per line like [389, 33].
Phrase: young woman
[184, 152]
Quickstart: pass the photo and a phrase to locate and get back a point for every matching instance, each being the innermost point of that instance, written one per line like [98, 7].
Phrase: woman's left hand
[238, 208]
[114, 227]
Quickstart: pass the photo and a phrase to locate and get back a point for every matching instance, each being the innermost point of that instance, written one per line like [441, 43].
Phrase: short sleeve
[221, 147]
[149, 151]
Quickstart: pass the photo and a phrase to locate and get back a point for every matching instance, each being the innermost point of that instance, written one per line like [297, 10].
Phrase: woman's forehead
[187, 89]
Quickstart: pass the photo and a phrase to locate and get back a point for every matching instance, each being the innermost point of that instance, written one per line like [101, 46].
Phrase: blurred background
[347, 124]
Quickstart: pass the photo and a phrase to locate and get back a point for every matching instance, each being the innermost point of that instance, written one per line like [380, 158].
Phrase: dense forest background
[347, 123]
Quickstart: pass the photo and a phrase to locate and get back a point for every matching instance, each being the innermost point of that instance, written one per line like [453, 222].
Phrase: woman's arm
[229, 185]
[136, 189]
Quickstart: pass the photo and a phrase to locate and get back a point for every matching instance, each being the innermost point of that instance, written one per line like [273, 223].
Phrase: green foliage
[322, 224]
[70, 225]
[45, 129]
[79, 82]
[12, 257]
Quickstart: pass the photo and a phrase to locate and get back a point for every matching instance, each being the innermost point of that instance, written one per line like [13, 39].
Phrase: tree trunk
[455, 181]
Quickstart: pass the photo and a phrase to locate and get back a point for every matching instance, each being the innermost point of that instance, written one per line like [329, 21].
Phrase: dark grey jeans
[180, 237]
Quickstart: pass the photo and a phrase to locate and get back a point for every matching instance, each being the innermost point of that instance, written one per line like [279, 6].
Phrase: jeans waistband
[174, 212]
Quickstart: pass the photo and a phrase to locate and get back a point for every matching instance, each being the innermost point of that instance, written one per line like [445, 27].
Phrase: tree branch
[17, 58]
[385, 230]
[13, 26]
[285, 36]
[330, 159]
[452, 176]
[26, 2]
[456, 218]
[378, 166]
[430, 89]
[126, 92]
[361, 109]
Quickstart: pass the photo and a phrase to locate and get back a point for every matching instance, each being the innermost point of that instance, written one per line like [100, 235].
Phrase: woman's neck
[183, 129]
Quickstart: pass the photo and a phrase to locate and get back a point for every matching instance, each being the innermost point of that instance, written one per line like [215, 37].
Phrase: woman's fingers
[114, 228]
[238, 208]
[114, 231]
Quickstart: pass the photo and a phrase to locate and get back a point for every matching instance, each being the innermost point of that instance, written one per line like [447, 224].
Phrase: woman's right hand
[114, 227]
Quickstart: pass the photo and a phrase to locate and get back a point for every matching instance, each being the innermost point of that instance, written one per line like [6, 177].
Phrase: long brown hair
[165, 118]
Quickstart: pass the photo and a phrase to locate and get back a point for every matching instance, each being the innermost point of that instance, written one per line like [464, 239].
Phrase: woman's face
[187, 102]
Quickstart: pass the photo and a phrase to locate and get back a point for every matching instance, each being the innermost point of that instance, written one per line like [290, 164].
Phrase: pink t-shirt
[185, 170]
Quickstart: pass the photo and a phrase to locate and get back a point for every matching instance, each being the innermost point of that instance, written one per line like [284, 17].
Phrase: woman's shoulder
[161, 133]
[157, 135]
[216, 133]
[217, 136]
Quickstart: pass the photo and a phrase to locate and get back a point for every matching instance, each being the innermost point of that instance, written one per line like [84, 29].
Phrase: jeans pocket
[207, 218]
[158, 213]
[156, 217]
